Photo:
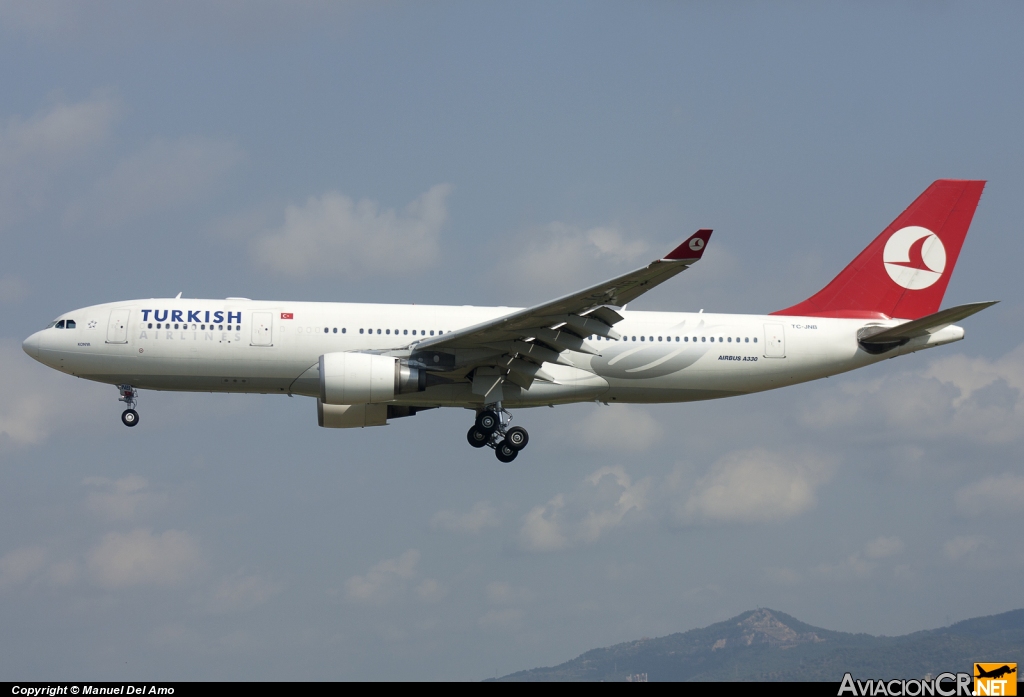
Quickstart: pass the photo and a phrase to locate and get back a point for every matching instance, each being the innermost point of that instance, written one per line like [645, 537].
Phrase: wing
[523, 340]
[923, 326]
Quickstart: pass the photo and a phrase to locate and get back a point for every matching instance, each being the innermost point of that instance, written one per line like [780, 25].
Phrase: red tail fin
[905, 271]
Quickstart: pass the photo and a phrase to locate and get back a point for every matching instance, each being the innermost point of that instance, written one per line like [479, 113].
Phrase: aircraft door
[117, 327]
[774, 341]
[262, 329]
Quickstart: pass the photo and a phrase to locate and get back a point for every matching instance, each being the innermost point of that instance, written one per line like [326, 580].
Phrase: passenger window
[378, 331]
[343, 330]
[70, 324]
[659, 338]
[730, 339]
[431, 332]
[360, 330]
[746, 340]
[634, 338]
[149, 326]
[643, 338]
[703, 339]
[405, 332]
[686, 338]
[175, 326]
[755, 339]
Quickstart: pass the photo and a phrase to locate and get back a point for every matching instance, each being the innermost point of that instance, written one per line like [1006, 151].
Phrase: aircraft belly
[196, 383]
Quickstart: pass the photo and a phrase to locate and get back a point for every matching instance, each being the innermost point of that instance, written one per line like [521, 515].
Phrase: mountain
[766, 644]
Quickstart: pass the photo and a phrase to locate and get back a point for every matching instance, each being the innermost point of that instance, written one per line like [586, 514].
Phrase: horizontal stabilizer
[922, 327]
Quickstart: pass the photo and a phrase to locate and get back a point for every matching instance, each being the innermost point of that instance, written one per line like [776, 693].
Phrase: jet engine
[351, 415]
[347, 377]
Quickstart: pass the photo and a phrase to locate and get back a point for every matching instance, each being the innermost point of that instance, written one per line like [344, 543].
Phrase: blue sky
[493, 154]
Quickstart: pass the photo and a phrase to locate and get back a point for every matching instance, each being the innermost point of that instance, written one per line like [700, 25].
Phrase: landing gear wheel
[517, 437]
[505, 452]
[487, 421]
[130, 417]
[477, 438]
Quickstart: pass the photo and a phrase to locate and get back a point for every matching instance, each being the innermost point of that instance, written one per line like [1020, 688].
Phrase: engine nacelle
[351, 415]
[348, 377]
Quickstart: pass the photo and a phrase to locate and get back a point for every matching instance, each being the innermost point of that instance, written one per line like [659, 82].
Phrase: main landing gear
[130, 397]
[492, 430]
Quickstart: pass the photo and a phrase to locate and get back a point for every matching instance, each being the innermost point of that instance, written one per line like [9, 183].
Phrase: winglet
[692, 248]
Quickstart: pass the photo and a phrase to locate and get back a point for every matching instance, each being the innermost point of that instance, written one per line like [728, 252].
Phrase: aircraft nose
[31, 346]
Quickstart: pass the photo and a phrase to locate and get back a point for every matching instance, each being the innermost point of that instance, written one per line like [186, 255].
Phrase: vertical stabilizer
[904, 272]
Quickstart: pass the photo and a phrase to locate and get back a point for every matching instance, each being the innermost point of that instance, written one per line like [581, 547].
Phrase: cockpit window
[51, 324]
[70, 324]
[60, 325]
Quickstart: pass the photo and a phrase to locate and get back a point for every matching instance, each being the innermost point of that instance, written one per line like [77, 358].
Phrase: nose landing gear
[492, 430]
[130, 397]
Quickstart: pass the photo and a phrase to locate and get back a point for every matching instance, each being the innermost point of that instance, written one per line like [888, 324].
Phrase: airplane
[368, 363]
[995, 673]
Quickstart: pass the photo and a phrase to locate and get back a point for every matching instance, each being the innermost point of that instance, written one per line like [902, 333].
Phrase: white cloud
[864, 563]
[620, 427]
[952, 397]
[966, 545]
[34, 151]
[560, 257]
[606, 500]
[240, 592]
[158, 177]
[19, 565]
[121, 499]
[883, 547]
[541, 530]
[140, 557]
[756, 486]
[25, 408]
[853, 566]
[504, 593]
[35, 399]
[384, 580]
[482, 515]
[430, 590]
[51, 137]
[333, 234]
[997, 495]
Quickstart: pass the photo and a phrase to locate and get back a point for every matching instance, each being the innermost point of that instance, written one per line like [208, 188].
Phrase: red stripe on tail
[905, 271]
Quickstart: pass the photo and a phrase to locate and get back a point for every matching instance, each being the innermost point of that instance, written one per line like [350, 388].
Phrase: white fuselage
[274, 347]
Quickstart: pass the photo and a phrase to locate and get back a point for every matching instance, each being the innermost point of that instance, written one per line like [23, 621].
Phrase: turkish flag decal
[287, 315]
